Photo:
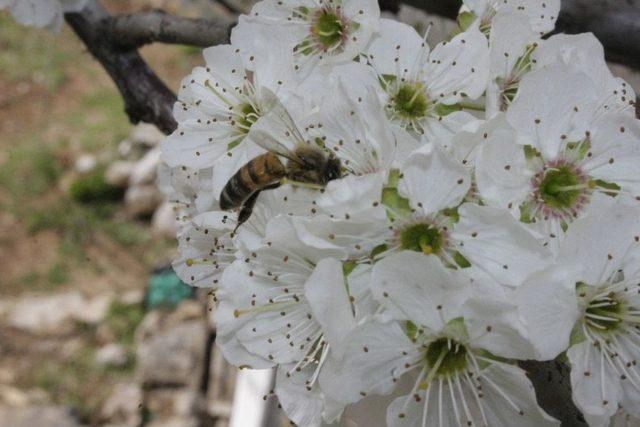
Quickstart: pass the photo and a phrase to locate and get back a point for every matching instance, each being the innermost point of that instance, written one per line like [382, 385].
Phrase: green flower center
[604, 314]
[248, 116]
[446, 357]
[328, 28]
[561, 187]
[423, 238]
[410, 101]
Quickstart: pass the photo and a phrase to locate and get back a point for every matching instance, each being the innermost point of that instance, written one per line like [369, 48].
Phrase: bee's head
[332, 169]
[314, 165]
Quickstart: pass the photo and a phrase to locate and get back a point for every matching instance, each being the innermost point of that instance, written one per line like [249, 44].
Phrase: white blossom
[310, 34]
[41, 13]
[552, 153]
[438, 334]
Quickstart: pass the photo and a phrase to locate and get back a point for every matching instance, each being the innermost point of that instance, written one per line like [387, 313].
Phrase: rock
[118, 173]
[187, 310]
[125, 148]
[146, 134]
[7, 375]
[15, 397]
[175, 422]
[95, 309]
[131, 297]
[122, 407]
[222, 377]
[163, 223]
[142, 200]
[50, 314]
[145, 170]
[171, 402]
[112, 355]
[172, 355]
[41, 416]
[85, 163]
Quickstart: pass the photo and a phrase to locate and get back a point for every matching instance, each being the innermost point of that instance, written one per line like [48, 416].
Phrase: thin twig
[158, 26]
[145, 96]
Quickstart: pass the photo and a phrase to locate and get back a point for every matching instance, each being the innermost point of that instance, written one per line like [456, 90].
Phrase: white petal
[544, 109]
[443, 128]
[458, 66]
[326, 292]
[419, 288]
[35, 13]
[359, 281]
[303, 406]
[396, 48]
[593, 382]
[357, 130]
[353, 195]
[502, 379]
[205, 249]
[352, 237]
[501, 169]
[374, 358]
[432, 180]
[594, 248]
[548, 305]
[494, 241]
[496, 326]
[615, 152]
[510, 35]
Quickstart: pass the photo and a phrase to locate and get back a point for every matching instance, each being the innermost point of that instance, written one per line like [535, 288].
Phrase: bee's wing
[276, 131]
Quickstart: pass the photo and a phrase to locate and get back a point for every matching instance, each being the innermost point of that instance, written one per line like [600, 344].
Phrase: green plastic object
[166, 290]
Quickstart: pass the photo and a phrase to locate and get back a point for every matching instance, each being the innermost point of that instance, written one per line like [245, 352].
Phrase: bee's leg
[247, 206]
[309, 185]
[246, 209]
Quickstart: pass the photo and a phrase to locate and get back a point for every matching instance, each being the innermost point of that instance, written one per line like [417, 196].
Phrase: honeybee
[306, 163]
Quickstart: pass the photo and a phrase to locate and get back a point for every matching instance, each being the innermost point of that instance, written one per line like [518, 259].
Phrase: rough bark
[553, 390]
[145, 96]
[158, 26]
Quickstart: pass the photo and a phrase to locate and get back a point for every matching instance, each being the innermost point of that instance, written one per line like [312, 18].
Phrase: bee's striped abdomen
[255, 175]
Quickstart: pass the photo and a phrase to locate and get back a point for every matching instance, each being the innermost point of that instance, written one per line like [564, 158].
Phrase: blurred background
[95, 329]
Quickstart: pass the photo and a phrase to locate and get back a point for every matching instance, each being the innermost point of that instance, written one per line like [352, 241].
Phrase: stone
[50, 313]
[172, 402]
[222, 380]
[175, 422]
[125, 148]
[118, 173]
[145, 170]
[163, 222]
[172, 355]
[131, 297]
[12, 396]
[142, 200]
[94, 310]
[85, 163]
[41, 416]
[146, 134]
[123, 405]
[112, 355]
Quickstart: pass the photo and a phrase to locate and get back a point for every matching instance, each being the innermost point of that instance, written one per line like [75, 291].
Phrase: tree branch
[158, 26]
[146, 97]
[552, 383]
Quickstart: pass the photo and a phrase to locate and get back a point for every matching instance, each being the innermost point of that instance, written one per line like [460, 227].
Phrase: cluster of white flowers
[464, 206]
[41, 13]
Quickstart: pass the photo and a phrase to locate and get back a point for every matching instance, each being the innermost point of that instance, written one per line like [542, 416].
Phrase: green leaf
[465, 19]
